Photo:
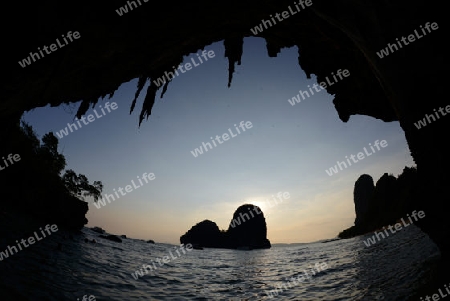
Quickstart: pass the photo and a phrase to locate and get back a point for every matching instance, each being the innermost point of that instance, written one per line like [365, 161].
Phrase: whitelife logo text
[225, 137]
[90, 118]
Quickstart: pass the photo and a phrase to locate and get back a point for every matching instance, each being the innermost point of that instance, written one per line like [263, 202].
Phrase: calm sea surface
[392, 269]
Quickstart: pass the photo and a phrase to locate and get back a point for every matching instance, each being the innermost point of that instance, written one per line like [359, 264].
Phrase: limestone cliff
[362, 194]
[383, 204]
[247, 230]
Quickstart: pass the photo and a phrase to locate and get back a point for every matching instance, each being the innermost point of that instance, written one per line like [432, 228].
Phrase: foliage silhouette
[34, 185]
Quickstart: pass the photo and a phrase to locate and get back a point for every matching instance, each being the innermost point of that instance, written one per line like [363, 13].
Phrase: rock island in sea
[247, 231]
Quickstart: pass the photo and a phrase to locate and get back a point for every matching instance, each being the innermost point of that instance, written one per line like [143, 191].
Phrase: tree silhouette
[48, 152]
[51, 195]
[78, 185]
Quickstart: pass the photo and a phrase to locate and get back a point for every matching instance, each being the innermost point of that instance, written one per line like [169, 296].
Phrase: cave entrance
[278, 133]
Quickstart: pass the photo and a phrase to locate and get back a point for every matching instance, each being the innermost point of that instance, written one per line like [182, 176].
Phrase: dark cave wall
[146, 42]
[413, 81]
[330, 35]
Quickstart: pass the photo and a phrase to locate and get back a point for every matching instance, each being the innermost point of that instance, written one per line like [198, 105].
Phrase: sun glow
[267, 203]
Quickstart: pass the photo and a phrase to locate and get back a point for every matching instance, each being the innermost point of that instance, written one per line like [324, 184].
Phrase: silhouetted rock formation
[111, 237]
[205, 234]
[382, 205]
[98, 230]
[362, 195]
[252, 230]
[247, 230]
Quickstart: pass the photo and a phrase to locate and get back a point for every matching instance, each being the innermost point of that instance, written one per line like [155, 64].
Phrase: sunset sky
[287, 149]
